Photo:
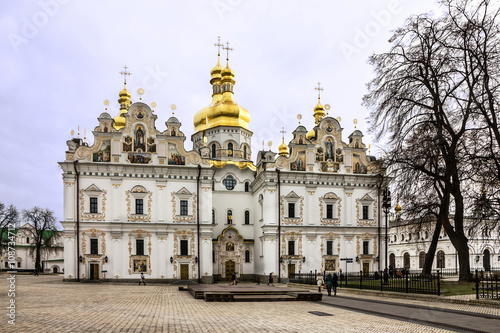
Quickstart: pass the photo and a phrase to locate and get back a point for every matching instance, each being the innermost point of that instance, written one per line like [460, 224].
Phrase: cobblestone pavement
[46, 304]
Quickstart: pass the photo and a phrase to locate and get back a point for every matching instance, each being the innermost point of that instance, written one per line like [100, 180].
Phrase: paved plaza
[46, 304]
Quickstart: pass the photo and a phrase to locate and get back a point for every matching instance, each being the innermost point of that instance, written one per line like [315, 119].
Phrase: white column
[69, 257]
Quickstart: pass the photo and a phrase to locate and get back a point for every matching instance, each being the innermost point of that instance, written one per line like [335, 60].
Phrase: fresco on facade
[151, 145]
[142, 158]
[300, 163]
[139, 143]
[127, 145]
[174, 158]
[140, 266]
[330, 265]
[104, 153]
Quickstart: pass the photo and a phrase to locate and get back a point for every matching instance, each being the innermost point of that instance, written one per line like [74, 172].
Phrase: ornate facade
[138, 201]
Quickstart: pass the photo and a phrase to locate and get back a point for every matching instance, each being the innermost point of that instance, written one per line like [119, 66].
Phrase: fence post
[382, 278]
[477, 285]
[439, 284]
[360, 279]
[406, 281]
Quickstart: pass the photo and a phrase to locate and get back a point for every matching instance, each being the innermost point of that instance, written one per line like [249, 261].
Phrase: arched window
[18, 264]
[244, 152]
[247, 217]
[229, 216]
[27, 240]
[392, 260]
[440, 259]
[213, 216]
[486, 260]
[229, 149]
[406, 260]
[421, 259]
[214, 150]
[247, 256]
[247, 186]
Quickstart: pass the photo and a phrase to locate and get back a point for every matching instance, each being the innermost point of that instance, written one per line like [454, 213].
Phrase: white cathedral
[138, 200]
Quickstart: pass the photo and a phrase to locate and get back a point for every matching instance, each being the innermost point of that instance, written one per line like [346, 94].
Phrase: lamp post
[386, 206]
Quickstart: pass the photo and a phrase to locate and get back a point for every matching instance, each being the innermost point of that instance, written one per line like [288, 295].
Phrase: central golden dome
[223, 111]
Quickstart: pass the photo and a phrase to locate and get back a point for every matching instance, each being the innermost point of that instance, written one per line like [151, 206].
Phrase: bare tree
[9, 217]
[430, 80]
[42, 228]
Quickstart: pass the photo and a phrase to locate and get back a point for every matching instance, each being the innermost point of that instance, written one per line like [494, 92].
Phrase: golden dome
[283, 149]
[398, 208]
[223, 111]
[125, 101]
[311, 134]
[319, 112]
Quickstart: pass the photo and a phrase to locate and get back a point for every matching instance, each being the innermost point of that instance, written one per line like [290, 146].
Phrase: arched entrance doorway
[406, 260]
[55, 269]
[392, 261]
[486, 260]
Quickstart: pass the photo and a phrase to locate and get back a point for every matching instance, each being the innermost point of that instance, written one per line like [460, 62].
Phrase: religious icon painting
[104, 153]
[174, 158]
[140, 266]
[300, 163]
[330, 265]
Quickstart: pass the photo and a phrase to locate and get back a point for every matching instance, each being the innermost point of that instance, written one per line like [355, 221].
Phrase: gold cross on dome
[283, 131]
[319, 89]
[218, 45]
[227, 48]
[125, 73]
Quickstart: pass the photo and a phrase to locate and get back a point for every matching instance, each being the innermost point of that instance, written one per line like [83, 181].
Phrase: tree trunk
[429, 256]
[38, 266]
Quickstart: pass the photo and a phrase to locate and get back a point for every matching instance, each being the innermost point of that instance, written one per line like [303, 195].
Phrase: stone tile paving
[46, 304]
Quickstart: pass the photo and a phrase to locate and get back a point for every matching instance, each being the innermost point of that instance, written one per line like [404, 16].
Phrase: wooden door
[291, 270]
[486, 260]
[184, 272]
[366, 268]
[94, 272]
[230, 265]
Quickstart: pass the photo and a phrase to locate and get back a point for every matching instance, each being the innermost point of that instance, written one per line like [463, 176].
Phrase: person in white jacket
[320, 282]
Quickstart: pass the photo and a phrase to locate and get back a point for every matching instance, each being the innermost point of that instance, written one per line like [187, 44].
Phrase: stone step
[263, 298]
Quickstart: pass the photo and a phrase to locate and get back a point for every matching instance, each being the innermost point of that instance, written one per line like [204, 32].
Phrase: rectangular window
[329, 248]
[247, 217]
[184, 207]
[93, 205]
[291, 248]
[139, 246]
[291, 209]
[184, 247]
[365, 212]
[329, 211]
[365, 247]
[94, 248]
[139, 208]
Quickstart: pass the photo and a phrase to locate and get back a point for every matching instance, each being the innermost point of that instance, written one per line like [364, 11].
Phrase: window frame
[94, 205]
[184, 247]
[139, 246]
[139, 206]
[329, 247]
[94, 246]
[183, 207]
[291, 208]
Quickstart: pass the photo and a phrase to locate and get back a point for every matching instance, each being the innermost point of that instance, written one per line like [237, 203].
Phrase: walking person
[36, 272]
[271, 280]
[142, 279]
[233, 279]
[335, 280]
[329, 284]
[320, 282]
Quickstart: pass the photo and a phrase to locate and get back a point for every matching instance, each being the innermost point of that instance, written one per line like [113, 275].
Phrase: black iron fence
[405, 282]
[487, 284]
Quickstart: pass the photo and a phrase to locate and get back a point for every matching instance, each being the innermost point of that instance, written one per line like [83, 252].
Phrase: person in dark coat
[335, 283]
[329, 284]
[142, 279]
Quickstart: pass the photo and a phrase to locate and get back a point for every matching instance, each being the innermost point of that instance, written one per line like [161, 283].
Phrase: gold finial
[355, 121]
[106, 102]
[398, 208]
[227, 48]
[319, 89]
[327, 108]
[84, 134]
[270, 144]
[339, 119]
[78, 131]
[173, 107]
[369, 147]
[125, 73]
[263, 145]
[205, 139]
[140, 92]
[72, 133]
[299, 117]
[218, 46]
[153, 104]
[283, 132]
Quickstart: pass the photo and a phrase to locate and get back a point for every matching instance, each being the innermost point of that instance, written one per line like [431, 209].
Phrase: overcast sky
[60, 59]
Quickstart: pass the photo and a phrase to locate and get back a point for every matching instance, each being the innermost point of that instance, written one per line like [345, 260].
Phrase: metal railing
[487, 284]
[405, 282]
